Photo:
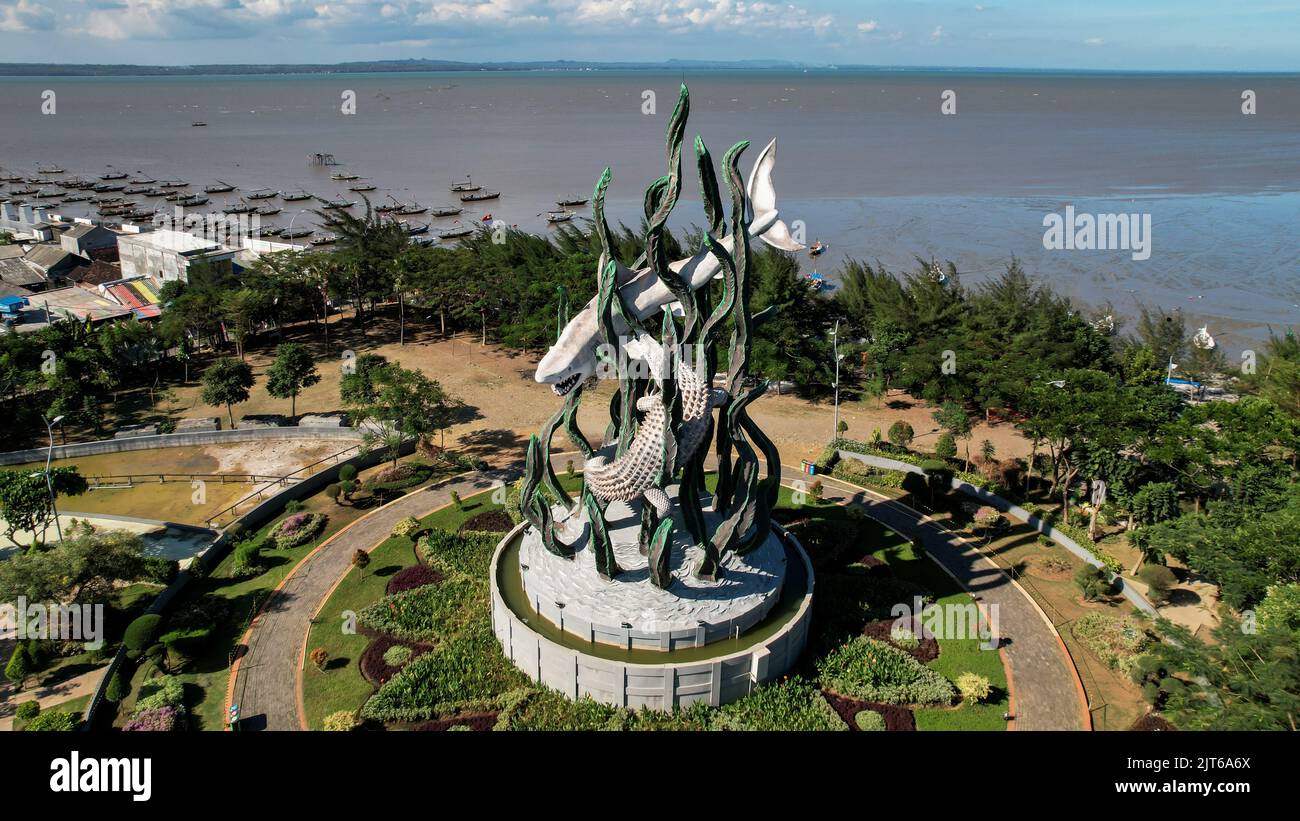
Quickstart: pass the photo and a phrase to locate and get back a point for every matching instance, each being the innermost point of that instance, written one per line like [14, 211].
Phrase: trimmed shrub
[27, 710]
[319, 657]
[19, 666]
[946, 446]
[973, 687]
[397, 655]
[901, 434]
[140, 634]
[115, 690]
[334, 491]
[457, 501]
[1160, 580]
[55, 721]
[343, 721]
[248, 558]
[294, 506]
[348, 473]
[870, 721]
[407, 528]
[872, 670]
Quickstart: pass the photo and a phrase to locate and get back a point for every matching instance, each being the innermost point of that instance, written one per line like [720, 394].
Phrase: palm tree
[367, 245]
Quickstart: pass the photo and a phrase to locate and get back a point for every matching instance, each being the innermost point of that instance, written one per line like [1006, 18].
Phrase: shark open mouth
[567, 384]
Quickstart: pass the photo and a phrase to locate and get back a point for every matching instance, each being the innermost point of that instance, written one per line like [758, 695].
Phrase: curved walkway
[1046, 691]
[1047, 694]
[264, 680]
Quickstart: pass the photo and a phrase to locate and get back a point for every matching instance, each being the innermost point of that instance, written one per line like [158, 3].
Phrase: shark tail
[765, 222]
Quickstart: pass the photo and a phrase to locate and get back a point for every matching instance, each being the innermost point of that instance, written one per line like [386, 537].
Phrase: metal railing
[298, 475]
[132, 479]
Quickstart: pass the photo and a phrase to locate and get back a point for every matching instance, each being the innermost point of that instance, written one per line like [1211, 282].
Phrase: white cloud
[1094, 41]
[937, 34]
[869, 25]
[25, 15]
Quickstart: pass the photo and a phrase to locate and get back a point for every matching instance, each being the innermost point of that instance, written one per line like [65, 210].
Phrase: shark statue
[572, 360]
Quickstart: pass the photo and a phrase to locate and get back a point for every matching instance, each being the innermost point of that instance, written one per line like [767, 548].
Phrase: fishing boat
[173, 184]
[341, 176]
[416, 228]
[49, 169]
[221, 187]
[137, 189]
[176, 195]
[76, 198]
[295, 233]
[143, 181]
[239, 208]
[446, 211]
[818, 248]
[295, 196]
[412, 209]
[270, 230]
[113, 175]
[323, 239]
[571, 202]
[260, 194]
[558, 216]
[48, 193]
[480, 196]
[455, 233]
[105, 187]
[11, 178]
[22, 192]
[192, 200]
[817, 282]
[139, 214]
[362, 186]
[388, 207]
[339, 204]
[466, 186]
[269, 210]
[156, 192]
[198, 124]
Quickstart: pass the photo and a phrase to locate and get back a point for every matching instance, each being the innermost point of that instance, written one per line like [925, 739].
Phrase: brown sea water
[867, 160]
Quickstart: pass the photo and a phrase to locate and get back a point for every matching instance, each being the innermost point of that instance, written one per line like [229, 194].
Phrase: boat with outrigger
[296, 196]
[260, 194]
[446, 211]
[455, 233]
[817, 249]
[480, 196]
[344, 176]
[220, 187]
[572, 202]
[554, 217]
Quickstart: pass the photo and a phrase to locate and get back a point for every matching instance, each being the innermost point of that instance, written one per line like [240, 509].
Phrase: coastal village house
[83, 238]
[168, 255]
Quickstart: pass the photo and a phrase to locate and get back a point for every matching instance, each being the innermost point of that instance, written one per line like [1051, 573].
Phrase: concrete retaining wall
[1014, 511]
[654, 686]
[177, 440]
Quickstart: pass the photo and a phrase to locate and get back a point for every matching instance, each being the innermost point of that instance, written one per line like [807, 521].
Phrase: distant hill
[390, 66]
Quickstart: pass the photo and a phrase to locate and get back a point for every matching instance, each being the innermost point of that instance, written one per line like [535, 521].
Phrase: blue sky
[1243, 35]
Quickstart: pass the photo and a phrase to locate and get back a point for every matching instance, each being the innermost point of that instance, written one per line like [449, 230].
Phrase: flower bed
[409, 578]
[925, 651]
[872, 670]
[297, 529]
[376, 660]
[1116, 640]
[493, 521]
[897, 718]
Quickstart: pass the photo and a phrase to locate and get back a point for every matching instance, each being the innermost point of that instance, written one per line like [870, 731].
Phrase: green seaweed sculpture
[661, 418]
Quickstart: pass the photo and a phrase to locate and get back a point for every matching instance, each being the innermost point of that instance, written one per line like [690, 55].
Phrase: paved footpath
[47, 695]
[1046, 691]
[1045, 688]
[265, 684]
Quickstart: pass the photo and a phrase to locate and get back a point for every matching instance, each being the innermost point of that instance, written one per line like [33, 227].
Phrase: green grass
[341, 687]
[73, 705]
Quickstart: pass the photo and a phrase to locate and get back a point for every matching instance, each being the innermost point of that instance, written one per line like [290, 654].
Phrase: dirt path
[47, 696]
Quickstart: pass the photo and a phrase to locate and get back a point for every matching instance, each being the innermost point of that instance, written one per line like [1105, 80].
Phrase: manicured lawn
[207, 676]
[341, 687]
[76, 706]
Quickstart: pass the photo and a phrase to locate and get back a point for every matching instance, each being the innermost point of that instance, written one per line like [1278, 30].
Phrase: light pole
[49, 483]
[835, 348]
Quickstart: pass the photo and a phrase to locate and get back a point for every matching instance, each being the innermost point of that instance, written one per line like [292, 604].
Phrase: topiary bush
[870, 721]
[140, 633]
[792, 704]
[115, 691]
[872, 670]
[407, 528]
[348, 473]
[1092, 582]
[1160, 581]
[397, 655]
[27, 710]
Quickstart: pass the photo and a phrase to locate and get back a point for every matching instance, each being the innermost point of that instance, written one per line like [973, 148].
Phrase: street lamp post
[49, 483]
[835, 347]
